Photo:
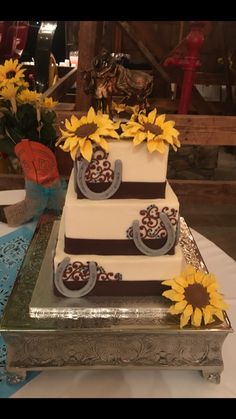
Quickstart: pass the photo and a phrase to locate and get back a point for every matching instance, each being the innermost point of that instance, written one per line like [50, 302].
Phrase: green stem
[8, 134]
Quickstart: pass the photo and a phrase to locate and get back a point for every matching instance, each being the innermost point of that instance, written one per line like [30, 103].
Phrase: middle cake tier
[120, 226]
[115, 274]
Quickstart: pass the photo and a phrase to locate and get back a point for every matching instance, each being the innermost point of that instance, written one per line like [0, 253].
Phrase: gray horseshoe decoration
[81, 182]
[59, 284]
[155, 252]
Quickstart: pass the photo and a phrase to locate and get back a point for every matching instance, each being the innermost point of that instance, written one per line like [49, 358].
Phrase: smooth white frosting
[138, 164]
[110, 218]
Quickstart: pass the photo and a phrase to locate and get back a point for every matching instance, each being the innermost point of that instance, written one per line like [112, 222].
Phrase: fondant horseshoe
[81, 182]
[59, 284]
[155, 252]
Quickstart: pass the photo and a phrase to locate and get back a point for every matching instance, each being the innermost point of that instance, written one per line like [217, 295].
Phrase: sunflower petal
[196, 317]
[208, 280]
[151, 146]
[87, 150]
[184, 320]
[68, 125]
[168, 282]
[218, 303]
[207, 313]
[151, 116]
[212, 287]
[138, 139]
[95, 137]
[175, 286]
[219, 314]
[188, 311]
[104, 144]
[173, 295]
[199, 276]
[181, 281]
[180, 306]
[73, 153]
[90, 115]
[160, 120]
[172, 310]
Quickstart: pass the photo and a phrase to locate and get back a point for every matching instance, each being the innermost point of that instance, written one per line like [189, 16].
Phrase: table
[147, 383]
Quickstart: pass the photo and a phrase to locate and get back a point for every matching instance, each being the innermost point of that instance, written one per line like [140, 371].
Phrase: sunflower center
[86, 130]
[10, 74]
[154, 129]
[197, 295]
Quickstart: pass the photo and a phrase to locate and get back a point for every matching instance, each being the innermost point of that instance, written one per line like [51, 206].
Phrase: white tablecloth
[145, 383]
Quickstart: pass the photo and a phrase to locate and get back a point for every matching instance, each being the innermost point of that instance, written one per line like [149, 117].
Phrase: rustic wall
[193, 162]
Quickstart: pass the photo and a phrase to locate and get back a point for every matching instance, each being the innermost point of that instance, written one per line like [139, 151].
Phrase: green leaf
[48, 117]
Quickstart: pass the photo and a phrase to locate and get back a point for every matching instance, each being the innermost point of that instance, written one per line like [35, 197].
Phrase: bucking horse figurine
[108, 78]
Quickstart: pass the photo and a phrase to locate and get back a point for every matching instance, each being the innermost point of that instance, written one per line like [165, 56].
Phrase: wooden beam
[171, 105]
[61, 87]
[11, 181]
[176, 76]
[205, 129]
[144, 50]
[197, 100]
[147, 34]
[201, 105]
[205, 190]
[194, 129]
[89, 34]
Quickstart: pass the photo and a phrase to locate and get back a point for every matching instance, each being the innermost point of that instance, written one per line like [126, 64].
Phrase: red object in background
[189, 62]
[4, 25]
[38, 162]
[13, 37]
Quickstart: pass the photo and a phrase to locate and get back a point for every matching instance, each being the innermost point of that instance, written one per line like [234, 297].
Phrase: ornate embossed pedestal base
[101, 348]
[98, 332]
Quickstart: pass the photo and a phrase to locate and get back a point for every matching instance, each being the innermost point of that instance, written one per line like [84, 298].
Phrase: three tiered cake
[120, 224]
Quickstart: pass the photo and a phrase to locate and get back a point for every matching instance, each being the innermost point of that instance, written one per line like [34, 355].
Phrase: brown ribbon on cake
[110, 247]
[119, 288]
[127, 190]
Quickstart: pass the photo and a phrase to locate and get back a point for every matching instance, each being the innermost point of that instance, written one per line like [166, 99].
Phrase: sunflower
[48, 103]
[8, 92]
[123, 107]
[11, 71]
[196, 297]
[154, 129]
[29, 96]
[81, 133]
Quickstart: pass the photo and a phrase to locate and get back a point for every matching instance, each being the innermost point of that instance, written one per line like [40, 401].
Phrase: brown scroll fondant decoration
[60, 286]
[82, 166]
[150, 223]
[155, 252]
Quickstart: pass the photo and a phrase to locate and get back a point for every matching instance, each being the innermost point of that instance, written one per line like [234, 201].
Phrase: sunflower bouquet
[24, 113]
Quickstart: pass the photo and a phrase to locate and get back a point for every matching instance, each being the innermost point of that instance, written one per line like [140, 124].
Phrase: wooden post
[89, 32]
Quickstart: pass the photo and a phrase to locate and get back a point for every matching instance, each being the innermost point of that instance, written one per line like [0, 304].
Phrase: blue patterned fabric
[13, 247]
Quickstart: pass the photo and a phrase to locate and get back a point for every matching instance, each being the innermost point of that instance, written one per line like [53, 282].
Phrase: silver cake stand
[44, 332]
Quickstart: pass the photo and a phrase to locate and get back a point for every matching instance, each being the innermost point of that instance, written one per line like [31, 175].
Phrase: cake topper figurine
[108, 78]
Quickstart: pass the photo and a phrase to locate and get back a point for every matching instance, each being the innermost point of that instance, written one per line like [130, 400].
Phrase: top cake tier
[142, 174]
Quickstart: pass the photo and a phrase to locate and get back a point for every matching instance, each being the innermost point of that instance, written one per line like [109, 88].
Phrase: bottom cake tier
[115, 275]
